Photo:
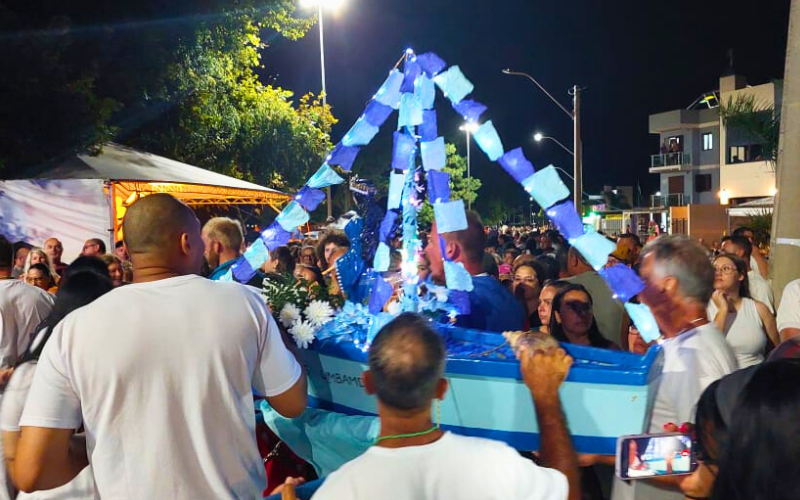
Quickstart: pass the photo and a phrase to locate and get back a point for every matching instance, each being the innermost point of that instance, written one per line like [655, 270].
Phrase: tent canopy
[138, 172]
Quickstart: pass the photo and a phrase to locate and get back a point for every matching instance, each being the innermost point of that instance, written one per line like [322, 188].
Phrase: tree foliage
[757, 120]
[461, 187]
[177, 78]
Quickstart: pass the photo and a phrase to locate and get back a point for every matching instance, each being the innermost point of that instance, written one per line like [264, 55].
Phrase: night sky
[633, 58]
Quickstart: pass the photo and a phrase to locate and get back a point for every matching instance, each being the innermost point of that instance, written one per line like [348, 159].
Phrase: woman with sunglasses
[746, 323]
[572, 319]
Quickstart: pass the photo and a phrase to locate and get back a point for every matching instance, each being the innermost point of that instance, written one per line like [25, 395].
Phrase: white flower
[319, 312]
[289, 314]
[393, 307]
[303, 332]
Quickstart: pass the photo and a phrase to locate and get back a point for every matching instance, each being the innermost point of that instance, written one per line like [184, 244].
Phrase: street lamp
[538, 137]
[575, 116]
[469, 128]
[331, 5]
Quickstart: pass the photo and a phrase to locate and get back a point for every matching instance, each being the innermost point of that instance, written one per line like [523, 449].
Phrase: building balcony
[670, 200]
[670, 161]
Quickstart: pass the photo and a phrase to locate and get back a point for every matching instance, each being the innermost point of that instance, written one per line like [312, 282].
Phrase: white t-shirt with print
[789, 308]
[22, 308]
[11, 406]
[162, 375]
[452, 467]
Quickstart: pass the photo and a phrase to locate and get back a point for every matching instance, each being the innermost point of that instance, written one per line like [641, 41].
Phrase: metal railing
[670, 200]
[669, 159]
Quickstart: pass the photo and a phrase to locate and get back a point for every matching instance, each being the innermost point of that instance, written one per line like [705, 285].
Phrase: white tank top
[744, 332]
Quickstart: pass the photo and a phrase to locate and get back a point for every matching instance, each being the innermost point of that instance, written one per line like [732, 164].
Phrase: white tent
[86, 196]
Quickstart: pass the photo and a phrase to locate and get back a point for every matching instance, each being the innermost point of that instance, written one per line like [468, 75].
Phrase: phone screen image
[654, 455]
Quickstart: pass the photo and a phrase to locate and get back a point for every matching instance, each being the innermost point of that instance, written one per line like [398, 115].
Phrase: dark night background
[633, 58]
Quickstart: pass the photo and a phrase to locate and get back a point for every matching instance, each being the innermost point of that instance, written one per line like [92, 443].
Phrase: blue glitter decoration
[342, 155]
[431, 64]
[517, 166]
[566, 220]
[389, 93]
[470, 110]
[427, 129]
[403, 148]
[623, 281]
[377, 113]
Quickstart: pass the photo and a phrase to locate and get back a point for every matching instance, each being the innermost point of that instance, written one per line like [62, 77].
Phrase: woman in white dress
[746, 323]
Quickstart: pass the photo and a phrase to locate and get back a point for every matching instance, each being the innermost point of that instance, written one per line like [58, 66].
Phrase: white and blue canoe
[606, 395]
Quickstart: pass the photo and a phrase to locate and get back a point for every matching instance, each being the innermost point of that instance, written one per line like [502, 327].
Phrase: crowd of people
[117, 355]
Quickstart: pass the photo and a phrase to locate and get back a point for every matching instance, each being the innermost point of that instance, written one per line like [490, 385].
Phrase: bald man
[161, 373]
[55, 249]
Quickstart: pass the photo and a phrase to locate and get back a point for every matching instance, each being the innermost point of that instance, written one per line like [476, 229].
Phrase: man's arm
[45, 459]
[543, 373]
[291, 403]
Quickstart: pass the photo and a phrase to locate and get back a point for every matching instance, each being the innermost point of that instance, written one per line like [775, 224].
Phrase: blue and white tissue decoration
[488, 140]
[546, 187]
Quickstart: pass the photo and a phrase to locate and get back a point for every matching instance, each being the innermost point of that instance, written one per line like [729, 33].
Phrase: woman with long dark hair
[527, 284]
[746, 323]
[82, 284]
[572, 319]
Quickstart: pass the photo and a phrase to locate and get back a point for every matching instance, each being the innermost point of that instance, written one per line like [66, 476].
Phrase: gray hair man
[412, 458]
[679, 281]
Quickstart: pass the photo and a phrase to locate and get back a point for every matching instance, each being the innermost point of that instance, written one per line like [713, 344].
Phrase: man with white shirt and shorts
[414, 459]
[22, 308]
[161, 374]
[679, 281]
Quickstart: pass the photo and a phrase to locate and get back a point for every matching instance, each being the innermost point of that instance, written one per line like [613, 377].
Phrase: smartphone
[655, 455]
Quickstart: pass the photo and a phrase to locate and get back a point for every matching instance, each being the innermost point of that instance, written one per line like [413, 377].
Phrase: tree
[759, 121]
[461, 186]
[179, 79]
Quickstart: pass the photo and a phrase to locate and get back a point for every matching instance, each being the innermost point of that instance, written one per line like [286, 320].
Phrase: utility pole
[578, 150]
[785, 259]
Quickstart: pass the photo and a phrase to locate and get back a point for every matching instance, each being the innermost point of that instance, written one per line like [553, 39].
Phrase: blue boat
[606, 395]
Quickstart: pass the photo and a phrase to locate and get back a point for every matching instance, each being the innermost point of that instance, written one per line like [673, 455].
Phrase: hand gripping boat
[606, 395]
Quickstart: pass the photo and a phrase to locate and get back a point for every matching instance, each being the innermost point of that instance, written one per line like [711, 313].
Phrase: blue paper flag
[275, 236]
[256, 254]
[353, 232]
[389, 220]
[382, 291]
[433, 154]
[426, 91]
[410, 111]
[623, 281]
[383, 257]
[324, 177]
[427, 129]
[450, 216]
[360, 134]
[595, 248]
[292, 216]
[486, 137]
[438, 186]
[460, 300]
[470, 110]
[517, 166]
[457, 277]
[377, 113]
[342, 155]
[243, 271]
[644, 320]
[396, 182]
[348, 269]
[546, 187]
[411, 71]
[309, 198]
[403, 149]
[454, 84]
[431, 64]
[566, 220]
[389, 93]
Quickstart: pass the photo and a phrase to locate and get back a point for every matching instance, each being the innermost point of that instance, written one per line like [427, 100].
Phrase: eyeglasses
[725, 269]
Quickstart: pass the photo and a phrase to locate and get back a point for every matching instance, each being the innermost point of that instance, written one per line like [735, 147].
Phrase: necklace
[412, 434]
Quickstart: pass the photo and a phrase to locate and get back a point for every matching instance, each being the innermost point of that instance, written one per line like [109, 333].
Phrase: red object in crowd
[279, 461]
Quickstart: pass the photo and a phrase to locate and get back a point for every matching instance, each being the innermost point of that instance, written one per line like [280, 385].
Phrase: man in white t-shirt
[413, 459]
[789, 311]
[161, 373]
[22, 308]
[679, 282]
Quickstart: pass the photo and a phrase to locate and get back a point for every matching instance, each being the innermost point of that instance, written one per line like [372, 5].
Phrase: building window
[708, 141]
[702, 183]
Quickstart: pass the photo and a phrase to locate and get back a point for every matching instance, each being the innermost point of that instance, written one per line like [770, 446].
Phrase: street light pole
[328, 194]
[539, 137]
[577, 155]
[468, 128]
